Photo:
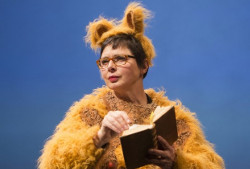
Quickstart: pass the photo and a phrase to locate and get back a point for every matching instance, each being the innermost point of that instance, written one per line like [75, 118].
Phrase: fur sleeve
[72, 145]
[194, 151]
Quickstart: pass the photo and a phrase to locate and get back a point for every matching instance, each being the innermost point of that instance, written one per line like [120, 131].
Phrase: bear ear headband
[132, 23]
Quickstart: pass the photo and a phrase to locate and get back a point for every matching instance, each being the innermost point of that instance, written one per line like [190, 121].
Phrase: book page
[135, 128]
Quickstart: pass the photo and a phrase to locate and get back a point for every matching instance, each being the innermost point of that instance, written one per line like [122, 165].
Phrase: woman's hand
[164, 156]
[115, 122]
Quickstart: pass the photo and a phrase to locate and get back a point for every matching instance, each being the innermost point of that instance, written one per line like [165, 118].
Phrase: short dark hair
[129, 41]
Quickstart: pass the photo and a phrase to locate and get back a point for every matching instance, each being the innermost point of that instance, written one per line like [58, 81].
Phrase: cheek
[132, 72]
[102, 74]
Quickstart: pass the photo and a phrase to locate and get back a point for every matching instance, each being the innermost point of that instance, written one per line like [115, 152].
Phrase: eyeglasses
[118, 60]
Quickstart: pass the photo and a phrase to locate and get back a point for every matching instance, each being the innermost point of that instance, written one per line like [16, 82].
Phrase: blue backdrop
[203, 50]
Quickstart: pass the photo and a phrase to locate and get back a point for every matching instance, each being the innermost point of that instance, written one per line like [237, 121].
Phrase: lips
[113, 78]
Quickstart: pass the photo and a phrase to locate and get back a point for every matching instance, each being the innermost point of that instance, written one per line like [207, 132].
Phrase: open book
[138, 139]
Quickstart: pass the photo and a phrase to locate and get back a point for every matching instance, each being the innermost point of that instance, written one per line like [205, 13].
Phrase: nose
[111, 66]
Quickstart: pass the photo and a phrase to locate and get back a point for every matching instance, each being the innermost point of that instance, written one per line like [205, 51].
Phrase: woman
[88, 137]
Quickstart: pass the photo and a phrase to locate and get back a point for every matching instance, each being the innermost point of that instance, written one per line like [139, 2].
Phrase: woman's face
[124, 77]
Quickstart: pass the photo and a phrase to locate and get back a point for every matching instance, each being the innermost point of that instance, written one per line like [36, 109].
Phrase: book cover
[140, 138]
[165, 123]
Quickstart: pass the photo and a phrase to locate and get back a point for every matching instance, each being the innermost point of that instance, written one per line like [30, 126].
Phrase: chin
[115, 86]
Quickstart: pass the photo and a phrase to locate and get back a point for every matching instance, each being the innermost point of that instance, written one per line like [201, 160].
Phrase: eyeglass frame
[111, 58]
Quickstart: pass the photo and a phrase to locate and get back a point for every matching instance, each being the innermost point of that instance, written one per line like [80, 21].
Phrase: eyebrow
[114, 55]
[105, 57]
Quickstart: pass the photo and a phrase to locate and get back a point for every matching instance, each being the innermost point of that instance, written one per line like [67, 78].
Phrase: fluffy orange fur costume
[72, 147]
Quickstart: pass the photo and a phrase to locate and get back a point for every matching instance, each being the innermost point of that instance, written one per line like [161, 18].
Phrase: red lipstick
[113, 78]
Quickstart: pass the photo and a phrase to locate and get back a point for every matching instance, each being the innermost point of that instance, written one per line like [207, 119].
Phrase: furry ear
[96, 29]
[100, 29]
[134, 17]
[130, 20]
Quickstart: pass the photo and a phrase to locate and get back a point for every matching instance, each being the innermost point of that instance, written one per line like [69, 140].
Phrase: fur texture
[132, 23]
[72, 146]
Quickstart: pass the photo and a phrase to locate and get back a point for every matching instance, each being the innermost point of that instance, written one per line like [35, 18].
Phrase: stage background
[203, 50]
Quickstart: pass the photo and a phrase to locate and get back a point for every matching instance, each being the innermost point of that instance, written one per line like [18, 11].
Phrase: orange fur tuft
[132, 23]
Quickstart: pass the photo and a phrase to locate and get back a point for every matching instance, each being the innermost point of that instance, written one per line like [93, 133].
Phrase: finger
[117, 116]
[163, 154]
[125, 117]
[118, 122]
[108, 124]
[155, 153]
[111, 122]
[164, 144]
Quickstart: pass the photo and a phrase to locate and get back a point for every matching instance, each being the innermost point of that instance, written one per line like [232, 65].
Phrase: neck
[135, 95]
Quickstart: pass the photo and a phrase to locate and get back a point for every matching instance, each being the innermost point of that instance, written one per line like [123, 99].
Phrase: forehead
[109, 51]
